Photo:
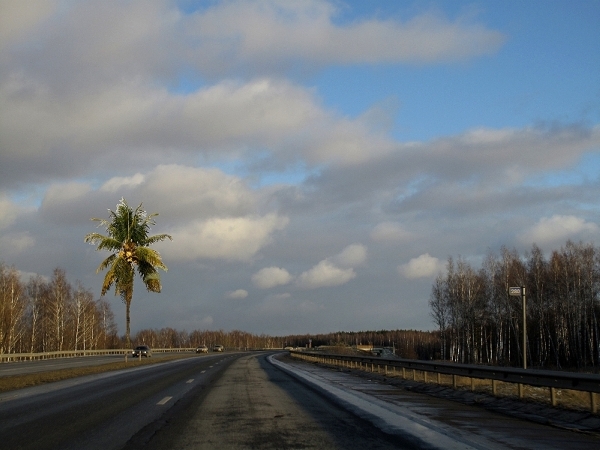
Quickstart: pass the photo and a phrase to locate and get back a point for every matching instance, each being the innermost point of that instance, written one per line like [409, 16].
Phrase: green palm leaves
[129, 241]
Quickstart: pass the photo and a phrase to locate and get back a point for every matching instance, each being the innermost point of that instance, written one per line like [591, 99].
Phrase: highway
[47, 365]
[252, 400]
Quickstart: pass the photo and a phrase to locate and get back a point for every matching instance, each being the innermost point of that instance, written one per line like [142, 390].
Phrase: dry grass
[13, 382]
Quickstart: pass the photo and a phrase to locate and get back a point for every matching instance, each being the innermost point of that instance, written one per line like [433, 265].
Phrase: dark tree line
[236, 339]
[411, 344]
[479, 322]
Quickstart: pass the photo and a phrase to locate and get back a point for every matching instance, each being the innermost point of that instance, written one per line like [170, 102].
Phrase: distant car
[142, 350]
[218, 348]
[202, 349]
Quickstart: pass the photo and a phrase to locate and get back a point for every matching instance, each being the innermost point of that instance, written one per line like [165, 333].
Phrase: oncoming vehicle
[218, 348]
[202, 349]
[142, 350]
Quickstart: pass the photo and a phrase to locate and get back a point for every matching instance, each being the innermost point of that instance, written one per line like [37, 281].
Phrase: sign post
[519, 291]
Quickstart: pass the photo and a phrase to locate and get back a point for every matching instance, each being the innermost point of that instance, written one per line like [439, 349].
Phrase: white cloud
[557, 229]
[352, 256]
[279, 32]
[200, 192]
[270, 277]
[26, 276]
[238, 294]
[17, 18]
[8, 211]
[233, 239]
[59, 195]
[325, 274]
[15, 243]
[206, 321]
[388, 232]
[421, 267]
[115, 184]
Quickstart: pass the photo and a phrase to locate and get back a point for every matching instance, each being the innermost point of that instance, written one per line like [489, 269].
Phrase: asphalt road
[101, 411]
[47, 365]
[254, 405]
[249, 401]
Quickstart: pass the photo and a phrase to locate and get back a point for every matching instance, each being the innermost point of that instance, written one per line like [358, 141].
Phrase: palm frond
[109, 279]
[92, 238]
[107, 262]
[157, 238]
[149, 257]
[152, 282]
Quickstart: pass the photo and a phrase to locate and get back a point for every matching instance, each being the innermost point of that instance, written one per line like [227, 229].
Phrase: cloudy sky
[316, 162]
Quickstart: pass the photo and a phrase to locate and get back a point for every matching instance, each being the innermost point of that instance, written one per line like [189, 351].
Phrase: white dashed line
[164, 400]
[191, 380]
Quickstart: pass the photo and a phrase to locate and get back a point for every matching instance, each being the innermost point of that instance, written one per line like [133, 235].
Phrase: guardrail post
[494, 387]
[414, 375]
[425, 377]
[439, 378]
[521, 390]
[593, 403]
[453, 381]
[403, 373]
[553, 396]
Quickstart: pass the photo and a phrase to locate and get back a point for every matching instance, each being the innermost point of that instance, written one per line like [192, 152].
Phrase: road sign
[514, 291]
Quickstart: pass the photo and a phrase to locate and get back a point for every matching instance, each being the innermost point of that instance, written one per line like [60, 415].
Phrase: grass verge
[13, 382]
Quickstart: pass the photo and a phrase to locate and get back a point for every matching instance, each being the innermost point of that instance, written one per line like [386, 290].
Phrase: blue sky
[316, 162]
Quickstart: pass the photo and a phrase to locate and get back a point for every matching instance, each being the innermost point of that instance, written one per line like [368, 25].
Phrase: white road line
[191, 380]
[203, 371]
[164, 400]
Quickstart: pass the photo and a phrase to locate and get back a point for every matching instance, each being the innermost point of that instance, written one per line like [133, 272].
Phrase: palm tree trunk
[128, 297]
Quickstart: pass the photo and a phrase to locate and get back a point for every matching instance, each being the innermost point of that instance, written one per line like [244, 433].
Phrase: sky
[316, 162]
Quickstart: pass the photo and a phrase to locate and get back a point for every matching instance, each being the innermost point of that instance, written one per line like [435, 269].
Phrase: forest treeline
[479, 322]
[51, 315]
[410, 344]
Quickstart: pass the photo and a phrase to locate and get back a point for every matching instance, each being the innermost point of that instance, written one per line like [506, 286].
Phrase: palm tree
[127, 237]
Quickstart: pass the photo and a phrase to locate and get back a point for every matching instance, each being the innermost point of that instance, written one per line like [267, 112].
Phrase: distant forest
[479, 322]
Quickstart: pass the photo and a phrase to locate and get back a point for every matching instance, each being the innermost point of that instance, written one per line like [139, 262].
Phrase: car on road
[142, 350]
[202, 349]
[218, 348]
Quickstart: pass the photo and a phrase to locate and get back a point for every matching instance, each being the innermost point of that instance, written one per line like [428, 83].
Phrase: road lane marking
[191, 380]
[164, 400]
[203, 371]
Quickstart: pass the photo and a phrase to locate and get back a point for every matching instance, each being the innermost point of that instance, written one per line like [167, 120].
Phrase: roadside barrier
[7, 357]
[551, 379]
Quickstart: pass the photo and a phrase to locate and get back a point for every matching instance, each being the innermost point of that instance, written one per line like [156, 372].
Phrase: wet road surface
[255, 405]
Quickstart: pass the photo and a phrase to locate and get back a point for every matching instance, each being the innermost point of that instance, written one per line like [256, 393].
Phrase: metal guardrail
[551, 379]
[7, 357]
